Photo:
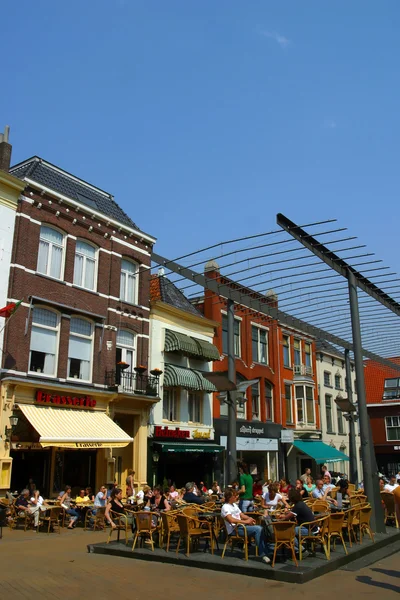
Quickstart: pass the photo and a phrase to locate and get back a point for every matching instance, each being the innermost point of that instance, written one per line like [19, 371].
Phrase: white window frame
[195, 405]
[172, 397]
[391, 426]
[125, 349]
[309, 368]
[123, 293]
[331, 412]
[339, 378]
[257, 359]
[391, 392]
[304, 403]
[85, 260]
[255, 416]
[266, 385]
[237, 337]
[340, 422]
[55, 329]
[297, 364]
[85, 337]
[286, 337]
[288, 385]
[47, 273]
[329, 379]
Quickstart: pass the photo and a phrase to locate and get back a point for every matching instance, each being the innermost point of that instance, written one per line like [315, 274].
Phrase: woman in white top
[272, 499]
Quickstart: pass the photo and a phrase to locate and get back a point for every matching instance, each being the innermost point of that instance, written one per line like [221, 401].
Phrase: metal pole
[370, 476]
[231, 466]
[352, 429]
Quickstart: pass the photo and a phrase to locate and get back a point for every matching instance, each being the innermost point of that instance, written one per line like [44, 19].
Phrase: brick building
[79, 341]
[382, 386]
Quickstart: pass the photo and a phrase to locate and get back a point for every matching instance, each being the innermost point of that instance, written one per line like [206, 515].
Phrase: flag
[10, 309]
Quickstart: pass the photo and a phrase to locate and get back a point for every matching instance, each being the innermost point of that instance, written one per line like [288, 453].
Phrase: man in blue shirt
[190, 497]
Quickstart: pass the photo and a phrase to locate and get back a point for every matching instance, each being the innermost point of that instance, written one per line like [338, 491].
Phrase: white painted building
[331, 376]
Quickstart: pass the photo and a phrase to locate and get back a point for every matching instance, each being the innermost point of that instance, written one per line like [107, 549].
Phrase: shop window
[129, 281]
[51, 252]
[286, 351]
[297, 352]
[392, 429]
[44, 341]
[170, 405]
[85, 267]
[269, 407]
[236, 336]
[80, 349]
[255, 401]
[328, 410]
[259, 344]
[195, 407]
[288, 402]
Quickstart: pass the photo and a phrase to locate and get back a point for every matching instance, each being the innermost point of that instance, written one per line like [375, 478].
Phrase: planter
[156, 372]
[140, 370]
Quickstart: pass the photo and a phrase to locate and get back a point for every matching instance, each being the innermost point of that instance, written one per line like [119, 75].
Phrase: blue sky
[205, 119]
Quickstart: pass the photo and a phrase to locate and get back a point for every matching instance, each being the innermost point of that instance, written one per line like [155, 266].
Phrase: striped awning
[186, 378]
[72, 428]
[207, 351]
[179, 342]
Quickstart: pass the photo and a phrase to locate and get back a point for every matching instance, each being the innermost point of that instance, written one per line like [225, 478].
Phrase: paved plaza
[46, 566]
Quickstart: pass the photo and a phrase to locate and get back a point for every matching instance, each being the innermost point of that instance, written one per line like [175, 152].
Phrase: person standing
[306, 475]
[245, 489]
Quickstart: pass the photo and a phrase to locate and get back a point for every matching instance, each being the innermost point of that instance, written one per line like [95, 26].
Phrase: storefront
[257, 444]
[306, 453]
[63, 436]
[179, 455]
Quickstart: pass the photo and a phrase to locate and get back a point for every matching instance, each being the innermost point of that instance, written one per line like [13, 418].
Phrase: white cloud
[283, 41]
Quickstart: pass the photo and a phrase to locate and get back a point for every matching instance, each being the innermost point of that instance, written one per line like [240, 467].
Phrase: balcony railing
[132, 383]
[302, 370]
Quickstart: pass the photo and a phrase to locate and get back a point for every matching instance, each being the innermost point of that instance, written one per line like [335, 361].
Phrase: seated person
[100, 498]
[327, 484]
[257, 488]
[115, 505]
[173, 494]
[392, 485]
[22, 505]
[272, 499]
[89, 494]
[320, 494]
[157, 502]
[302, 513]
[215, 489]
[301, 489]
[190, 497]
[284, 486]
[236, 521]
[82, 498]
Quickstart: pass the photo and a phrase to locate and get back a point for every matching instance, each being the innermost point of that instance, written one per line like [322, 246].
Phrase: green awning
[186, 378]
[207, 351]
[320, 452]
[187, 447]
[179, 342]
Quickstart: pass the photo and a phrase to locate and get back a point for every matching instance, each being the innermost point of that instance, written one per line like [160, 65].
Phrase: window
[241, 401]
[50, 255]
[392, 428]
[392, 389]
[195, 404]
[286, 351]
[44, 341]
[310, 405]
[327, 379]
[259, 344]
[269, 407]
[328, 409]
[125, 352]
[129, 281]
[338, 382]
[80, 349]
[297, 352]
[300, 403]
[236, 336]
[340, 424]
[307, 353]
[85, 265]
[170, 405]
[255, 401]
[288, 402]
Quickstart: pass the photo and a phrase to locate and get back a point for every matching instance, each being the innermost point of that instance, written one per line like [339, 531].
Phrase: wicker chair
[320, 506]
[169, 526]
[334, 529]
[97, 515]
[364, 517]
[52, 517]
[284, 533]
[145, 527]
[357, 499]
[314, 537]
[121, 524]
[349, 522]
[234, 537]
[191, 529]
[16, 517]
[390, 509]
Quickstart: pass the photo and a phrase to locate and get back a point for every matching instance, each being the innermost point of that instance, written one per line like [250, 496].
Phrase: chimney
[5, 150]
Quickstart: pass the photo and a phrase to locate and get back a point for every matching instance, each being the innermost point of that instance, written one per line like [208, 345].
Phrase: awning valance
[188, 379]
[180, 342]
[320, 452]
[71, 428]
[186, 447]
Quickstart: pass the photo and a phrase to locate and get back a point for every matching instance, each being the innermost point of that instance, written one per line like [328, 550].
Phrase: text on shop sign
[170, 433]
[83, 401]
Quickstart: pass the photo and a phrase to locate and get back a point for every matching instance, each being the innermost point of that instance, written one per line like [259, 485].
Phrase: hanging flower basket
[140, 369]
[122, 365]
[156, 372]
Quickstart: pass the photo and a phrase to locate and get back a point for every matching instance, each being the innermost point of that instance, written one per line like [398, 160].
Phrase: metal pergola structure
[328, 286]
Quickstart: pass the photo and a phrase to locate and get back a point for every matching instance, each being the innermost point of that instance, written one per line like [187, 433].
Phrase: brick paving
[48, 566]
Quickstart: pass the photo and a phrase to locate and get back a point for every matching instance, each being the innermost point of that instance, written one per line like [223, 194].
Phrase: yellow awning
[69, 428]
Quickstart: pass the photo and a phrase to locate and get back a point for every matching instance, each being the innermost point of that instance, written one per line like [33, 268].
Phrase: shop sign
[203, 435]
[164, 432]
[54, 399]
[88, 444]
[287, 436]
[246, 430]
[26, 446]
